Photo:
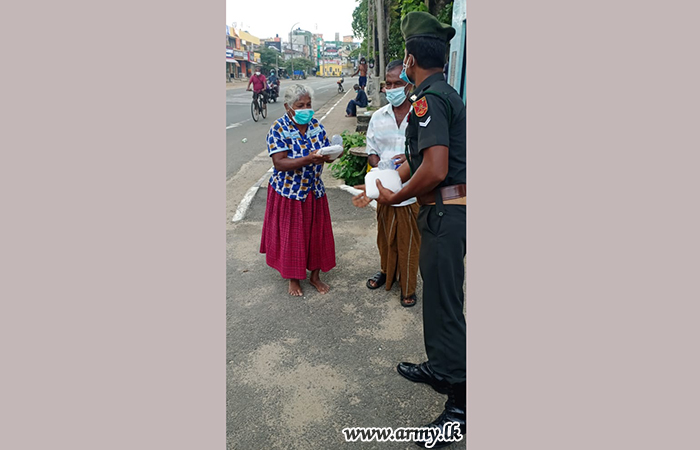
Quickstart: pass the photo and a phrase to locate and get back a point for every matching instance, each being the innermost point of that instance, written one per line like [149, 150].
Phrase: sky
[265, 18]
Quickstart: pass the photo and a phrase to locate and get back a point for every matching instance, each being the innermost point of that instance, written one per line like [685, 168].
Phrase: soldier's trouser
[443, 247]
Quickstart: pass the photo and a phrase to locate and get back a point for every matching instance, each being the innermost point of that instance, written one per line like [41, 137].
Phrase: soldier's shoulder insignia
[421, 107]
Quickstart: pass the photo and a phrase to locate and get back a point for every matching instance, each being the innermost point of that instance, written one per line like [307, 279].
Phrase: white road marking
[236, 125]
[248, 198]
[336, 104]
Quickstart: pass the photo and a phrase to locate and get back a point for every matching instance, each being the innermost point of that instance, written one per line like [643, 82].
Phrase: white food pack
[390, 179]
[333, 151]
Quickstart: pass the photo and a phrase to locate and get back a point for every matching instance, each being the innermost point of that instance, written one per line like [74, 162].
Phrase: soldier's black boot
[422, 373]
[452, 421]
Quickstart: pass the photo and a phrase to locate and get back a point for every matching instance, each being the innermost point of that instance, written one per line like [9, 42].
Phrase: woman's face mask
[302, 116]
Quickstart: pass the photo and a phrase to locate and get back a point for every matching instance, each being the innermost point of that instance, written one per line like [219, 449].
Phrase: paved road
[239, 122]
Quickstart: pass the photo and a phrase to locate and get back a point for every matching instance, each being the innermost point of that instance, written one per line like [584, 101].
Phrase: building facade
[232, 66]
[247, 56]
[334, 59]
[302, 43]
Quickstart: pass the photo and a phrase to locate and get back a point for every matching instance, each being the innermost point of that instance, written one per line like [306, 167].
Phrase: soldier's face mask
[404, 75]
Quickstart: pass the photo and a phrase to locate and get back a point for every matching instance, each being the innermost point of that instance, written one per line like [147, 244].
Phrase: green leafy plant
[395, 10]
[349, 167]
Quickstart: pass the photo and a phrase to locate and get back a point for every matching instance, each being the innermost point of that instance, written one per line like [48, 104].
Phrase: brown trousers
[398, 240]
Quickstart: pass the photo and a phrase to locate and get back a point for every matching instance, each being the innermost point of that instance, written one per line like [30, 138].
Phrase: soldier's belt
[451, 195]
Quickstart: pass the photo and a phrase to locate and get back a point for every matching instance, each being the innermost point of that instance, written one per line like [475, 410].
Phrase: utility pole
[370, 15]
[291, 46]
[380, 33]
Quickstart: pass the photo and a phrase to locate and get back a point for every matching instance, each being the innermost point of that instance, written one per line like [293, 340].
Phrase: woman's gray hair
[297, 91]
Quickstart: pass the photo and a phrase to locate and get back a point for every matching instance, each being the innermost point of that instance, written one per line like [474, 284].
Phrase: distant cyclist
[259, 83]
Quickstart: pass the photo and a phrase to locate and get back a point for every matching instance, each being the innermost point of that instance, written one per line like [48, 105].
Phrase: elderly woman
[297, 235]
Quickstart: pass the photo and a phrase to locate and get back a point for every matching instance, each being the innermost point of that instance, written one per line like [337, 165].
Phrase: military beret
[423, 24]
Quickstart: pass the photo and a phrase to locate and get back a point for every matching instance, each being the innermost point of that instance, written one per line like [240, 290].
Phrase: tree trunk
[381, 34]
[370, 30]
[387, 29]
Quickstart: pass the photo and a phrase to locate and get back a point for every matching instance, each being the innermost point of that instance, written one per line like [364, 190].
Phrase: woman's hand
[361, 200]
[317, 158]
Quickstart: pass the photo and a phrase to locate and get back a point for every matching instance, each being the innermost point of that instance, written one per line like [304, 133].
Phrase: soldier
[436, 150]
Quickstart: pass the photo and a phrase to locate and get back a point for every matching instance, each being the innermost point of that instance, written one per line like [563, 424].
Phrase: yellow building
[248, 38]
[331, 70]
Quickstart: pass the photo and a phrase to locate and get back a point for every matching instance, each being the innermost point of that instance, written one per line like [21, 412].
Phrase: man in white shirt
[398, 238]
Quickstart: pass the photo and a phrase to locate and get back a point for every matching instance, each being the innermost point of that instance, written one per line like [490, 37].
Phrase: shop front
[231, 66]
[241, 58]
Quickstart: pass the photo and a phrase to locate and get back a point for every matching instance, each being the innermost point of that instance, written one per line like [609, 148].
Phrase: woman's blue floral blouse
[285, 137]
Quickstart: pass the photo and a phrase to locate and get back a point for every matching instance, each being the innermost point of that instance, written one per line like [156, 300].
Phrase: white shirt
[385, 139]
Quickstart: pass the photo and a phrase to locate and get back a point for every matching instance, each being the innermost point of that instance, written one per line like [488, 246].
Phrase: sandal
[379, 280]
[409, 301]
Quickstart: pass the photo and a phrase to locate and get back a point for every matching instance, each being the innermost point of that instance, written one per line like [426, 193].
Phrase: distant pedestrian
[360, 100]
[362, 70]
[297, 234]
[398, 237]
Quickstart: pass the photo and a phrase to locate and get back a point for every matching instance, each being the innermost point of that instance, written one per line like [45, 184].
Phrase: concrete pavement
[299, 370]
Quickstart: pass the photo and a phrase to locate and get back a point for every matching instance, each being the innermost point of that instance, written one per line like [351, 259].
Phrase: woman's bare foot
[316, 282]
[295, 288]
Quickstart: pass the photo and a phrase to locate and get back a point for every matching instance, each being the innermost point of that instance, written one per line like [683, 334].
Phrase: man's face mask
[396, 96]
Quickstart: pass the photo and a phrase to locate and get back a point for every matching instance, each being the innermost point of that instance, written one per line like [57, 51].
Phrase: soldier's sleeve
[431, 122]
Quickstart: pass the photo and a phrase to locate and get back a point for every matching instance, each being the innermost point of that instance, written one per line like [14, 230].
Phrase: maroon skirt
[297, 236]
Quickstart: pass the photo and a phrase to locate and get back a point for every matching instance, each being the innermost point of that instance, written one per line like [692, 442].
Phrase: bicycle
[259, 106]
